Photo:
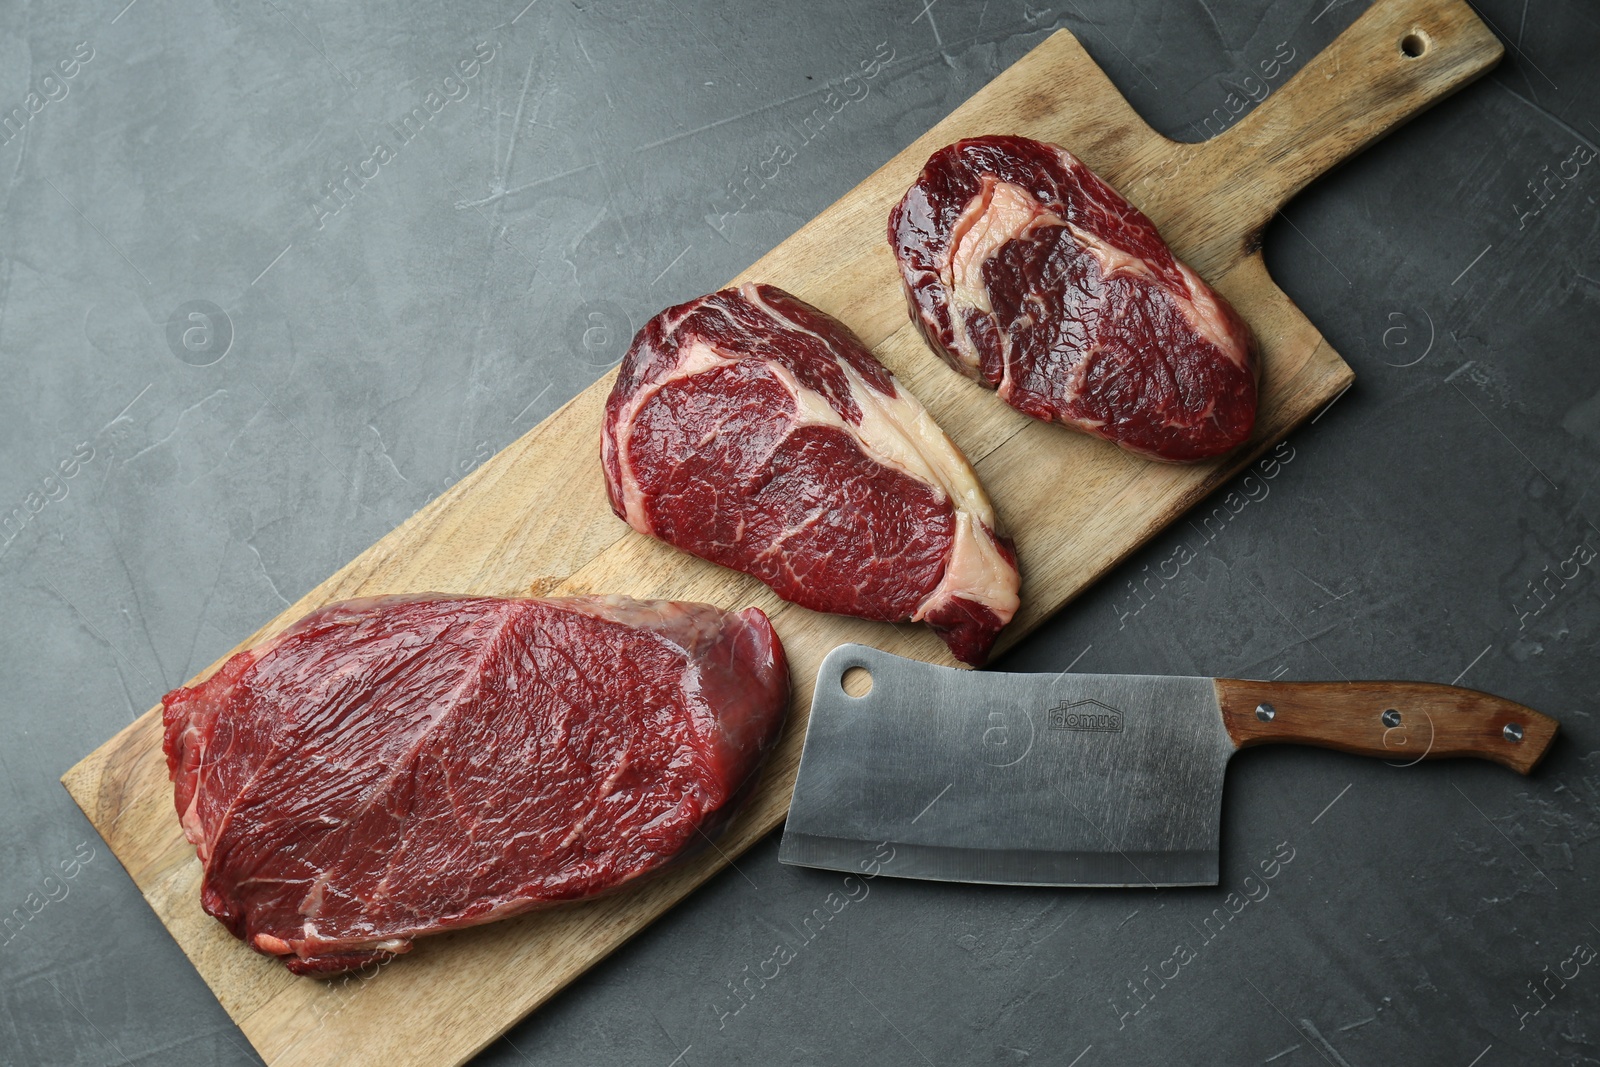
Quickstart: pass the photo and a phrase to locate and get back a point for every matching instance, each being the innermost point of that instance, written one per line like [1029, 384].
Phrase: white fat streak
[1112, 259]
[607, 787]
[309, 933]
[1009, 212]
[275, 946]
[193, 828]
[696, 359]
[986, 225]
[1200, 307]
[899, 433]
[1206, 316]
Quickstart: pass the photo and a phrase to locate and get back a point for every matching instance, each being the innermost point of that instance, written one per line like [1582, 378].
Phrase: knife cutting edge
[1085, 779]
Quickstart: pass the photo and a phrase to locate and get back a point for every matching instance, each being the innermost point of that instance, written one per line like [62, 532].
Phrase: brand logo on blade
[1090, 715]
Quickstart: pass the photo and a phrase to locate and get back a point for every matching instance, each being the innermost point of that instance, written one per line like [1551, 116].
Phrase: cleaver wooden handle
[1395, 61]
[1398, 721]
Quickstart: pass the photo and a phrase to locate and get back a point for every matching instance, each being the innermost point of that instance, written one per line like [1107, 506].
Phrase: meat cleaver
[1084, 779]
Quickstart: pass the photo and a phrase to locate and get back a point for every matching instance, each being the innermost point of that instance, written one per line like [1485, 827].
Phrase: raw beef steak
[398, 766]
[1029, 274]
[757, 432]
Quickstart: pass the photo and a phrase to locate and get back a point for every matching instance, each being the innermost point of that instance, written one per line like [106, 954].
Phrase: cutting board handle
[1399, 721]
[1398, 59]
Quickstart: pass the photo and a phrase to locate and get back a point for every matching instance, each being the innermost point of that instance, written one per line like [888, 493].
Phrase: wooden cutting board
[535, 516]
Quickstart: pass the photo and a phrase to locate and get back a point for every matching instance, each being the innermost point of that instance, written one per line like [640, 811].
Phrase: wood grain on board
[534, 518]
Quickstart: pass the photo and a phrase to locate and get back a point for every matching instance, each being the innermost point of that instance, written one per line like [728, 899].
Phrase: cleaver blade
[1084, 779]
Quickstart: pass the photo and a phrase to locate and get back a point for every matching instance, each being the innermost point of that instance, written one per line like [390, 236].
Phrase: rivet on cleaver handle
[1082, 779]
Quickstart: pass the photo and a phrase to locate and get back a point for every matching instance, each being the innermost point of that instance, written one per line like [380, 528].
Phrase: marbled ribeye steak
[755, 431]
[1029, 274]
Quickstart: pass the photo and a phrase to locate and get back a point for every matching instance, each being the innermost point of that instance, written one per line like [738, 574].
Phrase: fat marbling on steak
[1029, 274]
[755, 431]
[398, 766]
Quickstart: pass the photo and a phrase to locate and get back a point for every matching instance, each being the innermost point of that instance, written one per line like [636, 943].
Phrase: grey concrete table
[240, 341]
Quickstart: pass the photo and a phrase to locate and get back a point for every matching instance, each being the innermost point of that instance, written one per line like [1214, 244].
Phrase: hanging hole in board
[857, 681]
[1414, 44]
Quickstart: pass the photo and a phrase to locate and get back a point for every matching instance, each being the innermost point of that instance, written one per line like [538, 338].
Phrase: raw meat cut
[757, 432]
[1029, 274]
[398, 766]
